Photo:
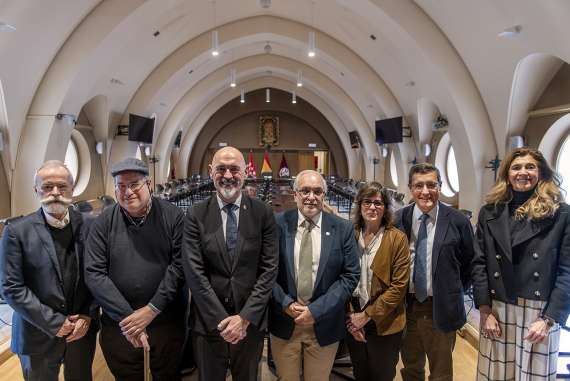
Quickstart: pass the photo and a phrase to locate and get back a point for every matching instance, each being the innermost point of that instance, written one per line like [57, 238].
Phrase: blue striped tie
[420, 261]
[231, 228]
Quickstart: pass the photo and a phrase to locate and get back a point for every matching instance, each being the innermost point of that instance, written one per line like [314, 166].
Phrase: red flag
[250, 170]
[283, 168]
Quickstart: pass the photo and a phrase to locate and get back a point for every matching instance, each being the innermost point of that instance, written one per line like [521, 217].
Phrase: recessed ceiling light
[5, 27]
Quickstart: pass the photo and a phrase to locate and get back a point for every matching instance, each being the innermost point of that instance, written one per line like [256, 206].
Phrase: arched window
[451, 168]
[72, 159]
[563, 164]
[393, 169]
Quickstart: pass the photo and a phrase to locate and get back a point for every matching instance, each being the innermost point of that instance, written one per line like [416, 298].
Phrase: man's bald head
[229, 153]
[228, 172]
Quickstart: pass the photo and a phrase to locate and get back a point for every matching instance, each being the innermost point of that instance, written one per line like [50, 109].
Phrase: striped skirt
[512, 358]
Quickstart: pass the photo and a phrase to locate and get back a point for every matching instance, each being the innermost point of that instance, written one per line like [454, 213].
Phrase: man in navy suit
[41, 278]
[441, 245]
[318, 271]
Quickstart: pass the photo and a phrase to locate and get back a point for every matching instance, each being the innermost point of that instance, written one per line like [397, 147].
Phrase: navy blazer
[32, 284]
[223, 286]
[533, 264]
[451, 257]
[337, 277]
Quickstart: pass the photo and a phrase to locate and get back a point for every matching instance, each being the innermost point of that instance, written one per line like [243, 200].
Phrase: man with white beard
[41, 278]
[230, 263]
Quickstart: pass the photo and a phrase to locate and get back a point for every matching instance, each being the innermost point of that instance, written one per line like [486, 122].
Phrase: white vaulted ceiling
[375, 59]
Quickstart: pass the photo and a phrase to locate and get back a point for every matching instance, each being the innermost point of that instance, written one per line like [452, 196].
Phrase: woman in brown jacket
[376, 317]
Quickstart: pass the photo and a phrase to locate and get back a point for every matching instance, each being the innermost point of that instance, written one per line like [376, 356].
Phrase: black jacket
[219, 286]
[452, 254]
[31, 282]
[543, 269]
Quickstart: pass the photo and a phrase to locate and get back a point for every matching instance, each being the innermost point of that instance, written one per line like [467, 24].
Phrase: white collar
[316, 219]
[222, 203]
[432, 213]
[55, 223]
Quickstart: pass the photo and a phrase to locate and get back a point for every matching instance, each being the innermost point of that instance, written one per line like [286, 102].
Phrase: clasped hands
[300, 313]
[490, 328]
[74, 327]
[134, 326]
[233, 329]
[355, 322]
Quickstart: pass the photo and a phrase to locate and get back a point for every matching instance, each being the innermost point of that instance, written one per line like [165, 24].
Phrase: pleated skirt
[510, 357]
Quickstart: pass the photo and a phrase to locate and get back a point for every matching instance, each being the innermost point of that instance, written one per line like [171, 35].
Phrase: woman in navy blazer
[521, 272]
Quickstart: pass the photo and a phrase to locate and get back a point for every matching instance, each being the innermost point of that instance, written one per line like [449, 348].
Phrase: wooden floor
[464, 357]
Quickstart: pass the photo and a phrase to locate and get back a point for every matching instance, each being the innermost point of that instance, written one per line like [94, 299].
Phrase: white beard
[55, 208]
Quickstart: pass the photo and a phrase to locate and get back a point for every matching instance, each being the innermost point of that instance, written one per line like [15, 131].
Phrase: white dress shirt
[224, 213]
[431, 223]
[316, 240]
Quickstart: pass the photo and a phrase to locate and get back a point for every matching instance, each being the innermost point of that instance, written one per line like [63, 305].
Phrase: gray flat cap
[130, 164]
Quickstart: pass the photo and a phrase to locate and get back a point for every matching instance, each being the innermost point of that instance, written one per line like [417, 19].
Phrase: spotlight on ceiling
[242, 96]
[267, 96]
[299, 78]
[293, 98]
[215, 43]
[267, 48]
[513, 31]
[312, 45]
[233, 78]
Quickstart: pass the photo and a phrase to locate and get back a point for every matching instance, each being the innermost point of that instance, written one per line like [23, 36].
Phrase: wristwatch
[549, 321]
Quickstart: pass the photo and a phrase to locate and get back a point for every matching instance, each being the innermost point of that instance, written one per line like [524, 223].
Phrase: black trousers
[166, 340]
[376, 359]
[76, 356]
[214, 356]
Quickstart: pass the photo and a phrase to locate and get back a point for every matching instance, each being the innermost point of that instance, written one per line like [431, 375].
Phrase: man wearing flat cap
[133, 269]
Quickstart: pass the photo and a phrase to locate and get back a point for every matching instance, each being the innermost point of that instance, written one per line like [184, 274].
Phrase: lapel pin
[327, 233]
[244, 207]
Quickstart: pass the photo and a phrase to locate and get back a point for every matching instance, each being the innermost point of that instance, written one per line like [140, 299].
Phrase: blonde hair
[547, 195]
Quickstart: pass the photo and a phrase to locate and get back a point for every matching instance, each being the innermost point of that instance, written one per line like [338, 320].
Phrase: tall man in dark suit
[441, 245]
[41, 278]
[318, 271]
[230, 263]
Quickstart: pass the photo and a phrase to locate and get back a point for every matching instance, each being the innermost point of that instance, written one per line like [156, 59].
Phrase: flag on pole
[266, 167]
[250, 170]
[284, 168]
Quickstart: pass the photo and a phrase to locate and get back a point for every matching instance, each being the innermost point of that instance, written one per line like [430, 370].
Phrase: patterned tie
[305, 276]
[420, 261]
[231, 228]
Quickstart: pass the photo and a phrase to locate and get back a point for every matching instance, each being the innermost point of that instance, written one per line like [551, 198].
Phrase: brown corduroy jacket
[391, 274]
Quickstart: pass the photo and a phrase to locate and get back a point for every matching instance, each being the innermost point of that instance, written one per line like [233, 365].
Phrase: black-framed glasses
[307, 191]
[133, 187]
[368, 203]
[222, 169]
[431, 185]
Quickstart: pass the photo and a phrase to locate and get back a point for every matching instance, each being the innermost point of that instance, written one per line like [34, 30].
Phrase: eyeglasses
[307, 191]
[222, 169]
[133, 187]
[420, 186]
[48, 188]
[368, 203]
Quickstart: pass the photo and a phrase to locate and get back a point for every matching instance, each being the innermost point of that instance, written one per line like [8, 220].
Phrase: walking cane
[147, 374]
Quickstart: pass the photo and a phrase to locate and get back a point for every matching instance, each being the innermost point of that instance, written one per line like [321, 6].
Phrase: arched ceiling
[374, 59]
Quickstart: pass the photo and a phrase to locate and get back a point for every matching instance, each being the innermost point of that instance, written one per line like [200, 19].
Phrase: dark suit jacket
[337, 277]
[31, 282]
[542, 267]
[452, 253]
[221, 286]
